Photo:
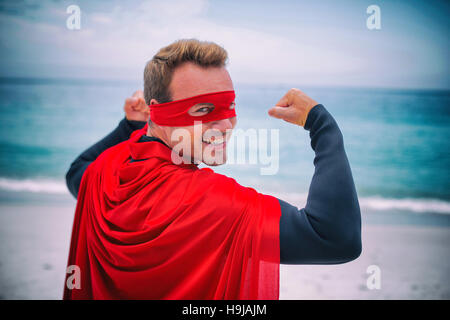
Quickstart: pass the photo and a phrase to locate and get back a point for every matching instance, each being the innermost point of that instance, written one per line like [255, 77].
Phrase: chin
[215, 162]
[214, 156]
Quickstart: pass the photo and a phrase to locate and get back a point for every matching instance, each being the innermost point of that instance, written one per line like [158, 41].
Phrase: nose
[222, 125]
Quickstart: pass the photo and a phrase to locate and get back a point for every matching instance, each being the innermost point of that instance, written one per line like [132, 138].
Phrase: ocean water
[397, 141]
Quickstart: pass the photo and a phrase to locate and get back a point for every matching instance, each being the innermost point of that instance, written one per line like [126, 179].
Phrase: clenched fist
[135, 107]
[293, 107]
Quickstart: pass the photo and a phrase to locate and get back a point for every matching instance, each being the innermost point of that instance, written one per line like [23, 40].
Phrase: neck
[157, 132]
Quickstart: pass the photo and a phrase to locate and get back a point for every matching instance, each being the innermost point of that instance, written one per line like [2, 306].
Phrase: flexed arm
[328, 229]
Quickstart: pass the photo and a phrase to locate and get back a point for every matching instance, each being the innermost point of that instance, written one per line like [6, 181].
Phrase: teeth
[215, 141]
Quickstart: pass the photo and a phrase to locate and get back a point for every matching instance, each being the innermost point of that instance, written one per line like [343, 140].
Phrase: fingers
[285, 113]
[278, 112]
[293, 107]
[284, 102]
[288, 98]
[136, 103]
[130, 103]
[135, 107]
[138, 94]
[142, 106]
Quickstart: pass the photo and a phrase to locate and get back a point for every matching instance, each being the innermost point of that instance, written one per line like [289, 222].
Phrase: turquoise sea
[397, 141]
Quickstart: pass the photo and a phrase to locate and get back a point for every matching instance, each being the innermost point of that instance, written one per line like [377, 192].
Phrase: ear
[153, 101]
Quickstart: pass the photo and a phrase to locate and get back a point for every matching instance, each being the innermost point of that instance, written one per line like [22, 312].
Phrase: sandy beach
[413, 260]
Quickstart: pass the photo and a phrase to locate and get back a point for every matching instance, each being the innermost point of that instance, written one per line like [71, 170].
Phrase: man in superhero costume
[150, 224]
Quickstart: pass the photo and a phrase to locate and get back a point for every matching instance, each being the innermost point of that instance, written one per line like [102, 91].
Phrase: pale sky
[317, 43]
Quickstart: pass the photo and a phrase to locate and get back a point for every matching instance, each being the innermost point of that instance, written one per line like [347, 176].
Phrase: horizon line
[32, 80]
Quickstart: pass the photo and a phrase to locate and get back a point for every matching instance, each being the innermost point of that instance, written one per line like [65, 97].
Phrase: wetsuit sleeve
[328, 229]
[121, 133]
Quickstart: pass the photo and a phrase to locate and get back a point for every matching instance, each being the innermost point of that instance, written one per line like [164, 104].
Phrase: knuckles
[294, 91]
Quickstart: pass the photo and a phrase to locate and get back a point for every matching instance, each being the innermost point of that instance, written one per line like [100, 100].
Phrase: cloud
[130, 37]
[117, 40]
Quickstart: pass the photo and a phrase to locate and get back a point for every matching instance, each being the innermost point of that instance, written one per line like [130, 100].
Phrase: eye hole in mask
[201, 109]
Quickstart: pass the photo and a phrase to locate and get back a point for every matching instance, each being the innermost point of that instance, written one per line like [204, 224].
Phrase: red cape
[155, 230]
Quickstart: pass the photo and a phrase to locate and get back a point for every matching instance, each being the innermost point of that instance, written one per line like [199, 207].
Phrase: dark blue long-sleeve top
[326, 231]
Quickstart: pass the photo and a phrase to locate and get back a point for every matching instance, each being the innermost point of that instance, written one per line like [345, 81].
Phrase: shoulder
[228, 189]
[214, 181]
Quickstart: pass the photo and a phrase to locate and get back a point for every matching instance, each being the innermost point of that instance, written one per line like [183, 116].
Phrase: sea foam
[34, 185]
[377, 203]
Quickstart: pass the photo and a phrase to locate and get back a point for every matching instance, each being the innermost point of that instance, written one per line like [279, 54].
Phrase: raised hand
[135, 107]
[293, 107]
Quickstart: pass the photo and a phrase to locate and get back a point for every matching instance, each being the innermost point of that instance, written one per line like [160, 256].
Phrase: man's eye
[204, 109]
[201, 109]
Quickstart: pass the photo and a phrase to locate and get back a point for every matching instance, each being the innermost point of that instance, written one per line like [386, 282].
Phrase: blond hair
[158, 71]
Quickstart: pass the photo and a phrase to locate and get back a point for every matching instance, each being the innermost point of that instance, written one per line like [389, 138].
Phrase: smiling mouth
[215, 142]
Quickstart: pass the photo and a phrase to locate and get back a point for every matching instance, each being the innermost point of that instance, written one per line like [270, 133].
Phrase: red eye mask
[175, 113]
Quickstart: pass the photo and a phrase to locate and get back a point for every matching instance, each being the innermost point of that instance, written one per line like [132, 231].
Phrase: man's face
[191, 80]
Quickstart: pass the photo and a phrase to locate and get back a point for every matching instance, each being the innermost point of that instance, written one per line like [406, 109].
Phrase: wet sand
[413, 260]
